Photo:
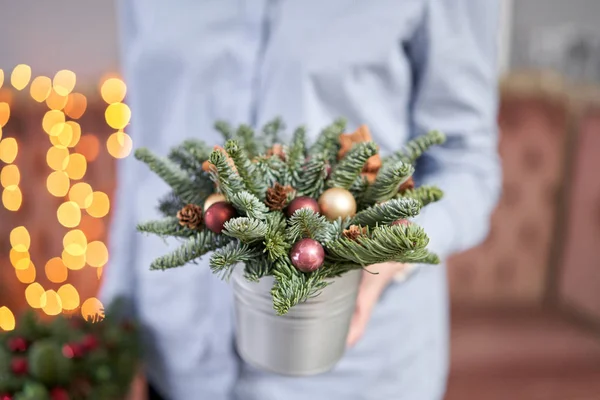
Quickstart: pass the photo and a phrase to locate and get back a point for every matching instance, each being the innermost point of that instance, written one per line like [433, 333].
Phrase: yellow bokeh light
[57, 158]
[117, 115]
[58, 183]
[81, 194]
[55, 101]
[52, 118]
[19, 259]
[12, 198]
[99, 272]
[69, 297]
[96, 254]
[40, 88]
[113, 90]
[8, 150]
[20, 76]
[64, 82]
[52, 303]
[61, 135]
[76, 166]
[7, 319]
[10, 175]
[56, 270]
[75, 242]
[4, 113]
[100, 205]
[20, 239]
[26, 275]
[76, 105]
[69, 214]
[1, 77]
[89, 147]
[33, 295]
[73, 262]
[76, 128]
[0, 132]
[119, 144]
[91, 307]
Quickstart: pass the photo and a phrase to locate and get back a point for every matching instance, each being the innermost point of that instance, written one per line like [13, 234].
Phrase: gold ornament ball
[337, 202]
[212, 199]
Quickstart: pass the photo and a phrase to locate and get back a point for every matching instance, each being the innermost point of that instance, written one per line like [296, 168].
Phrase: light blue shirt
[402, 67]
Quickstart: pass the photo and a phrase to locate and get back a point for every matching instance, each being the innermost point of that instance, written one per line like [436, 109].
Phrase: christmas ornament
[337, 202]
[89, 342]
[17, 345]
[362, 134]
[18, 365]
[190, 216]
[307, 255]
[59, 394]
[277, 196]
[5, 396]
[409, 184]
[72, 350]
[404, 222]
[354, 232]
[302, 202]
[217, 214]
[212, 199]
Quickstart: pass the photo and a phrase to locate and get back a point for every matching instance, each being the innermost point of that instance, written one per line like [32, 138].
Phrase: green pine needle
[424, 194]
[416, 147]
[351, 166]
[229, 181]
[224, 129]
[276, 245]
[245, 136]
[168, 226]
[194, 248]
[271, 131]
[270, 169]
[170, 204]
[296, 155]
[387, 183]
[305, 223]
[314, 173]
[257, 268]
[224, 260]
[247, 230]
[292, 287]
[246, 169]
[388, 212]
[248, 204]
[328, 142]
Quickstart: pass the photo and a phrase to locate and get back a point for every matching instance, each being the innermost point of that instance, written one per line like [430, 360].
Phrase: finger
[360, 319]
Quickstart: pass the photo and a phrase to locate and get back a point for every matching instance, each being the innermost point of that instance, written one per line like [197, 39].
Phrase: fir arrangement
[304, 214]
[69, 358]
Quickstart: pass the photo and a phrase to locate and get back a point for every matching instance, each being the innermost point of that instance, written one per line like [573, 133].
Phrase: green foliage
[293, 287]
[424, 194]
[248, 204]
[350, 167]
[276, 245]
[295, 159]
[192, 249]
[271, 131]
[169, 204]
[47, 363]
[257, 268]
[168, 226]
[269, 168]
[246, 170]
[328, 142]
[306, 224]
[224, 129]
[245, 229]
[314, 173]
[387, 183]
[245, 136]
[416, 147]
[223, 260]
[388, 212]
[229, 181]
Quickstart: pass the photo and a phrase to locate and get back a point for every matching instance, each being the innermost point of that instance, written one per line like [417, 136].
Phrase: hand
[373, 283]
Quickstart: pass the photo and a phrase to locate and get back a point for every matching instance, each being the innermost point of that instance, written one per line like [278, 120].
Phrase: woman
[402, 67]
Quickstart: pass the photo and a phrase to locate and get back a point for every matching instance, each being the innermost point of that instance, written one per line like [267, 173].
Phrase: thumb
[360, 319]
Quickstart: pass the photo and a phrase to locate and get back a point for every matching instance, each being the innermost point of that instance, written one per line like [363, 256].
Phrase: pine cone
[277, 196]
[190, 216]
[354, 232]
[277, 150]
[408, 185]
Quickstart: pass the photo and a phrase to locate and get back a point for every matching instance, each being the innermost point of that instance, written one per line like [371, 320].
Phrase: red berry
[59, 394]
[72, 350]
[17, 344]
[89, 342]
[4, 396]
[18, 365]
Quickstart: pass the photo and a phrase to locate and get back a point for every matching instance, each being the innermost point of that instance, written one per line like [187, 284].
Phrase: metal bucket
[310, 339]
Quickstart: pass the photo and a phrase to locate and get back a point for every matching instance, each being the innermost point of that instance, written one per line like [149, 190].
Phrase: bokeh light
[73, 262]
[12, 198]
[100, 205]
[19, 259]
[117, 115]
[33, 295]
[10, 175]
[75, 242]
[76, 166]
[64, 82]
[76, 105]
[8, 150]
[119, 144]
[26, 275]
[57, 158]
[1, 77]
[96, 254]
[69, 297]
[52, 304]
[55, 101]
[89, 147]
[81, 194]
[99, 272]
[51, 118]
[4, 113]
[76, 129]
[40, 88]
[113, 90]
[61, 135]
[68, 214]
[20, 76]
[91, 307]
[56, 270]
[7, 319]
[20, 239]
[58, 183]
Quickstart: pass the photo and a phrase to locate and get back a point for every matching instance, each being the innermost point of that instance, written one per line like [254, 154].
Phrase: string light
[89, 147]
[119, 144]
[20, 76]
[75, 242]
[113, 90]
[69, 214]
[91, 307]
[76, 105]
[7, 318]
[100, 205]
[56, 101]
[76, 129]
[81, 194]
[96, 254]
[52, 118]
[1, 77]
[117, 115]
[61, 135]
[12, 198]
[40, 88]
[69, 297]
[73, 262]
[26, 275]
[57, 158]
[19, 259]
[56, 270]
[33, 295]
[20, 239]
[58, 183]
[8, 150]
[76, 166]
[52, 304]
[64, 82]
[4, 113]
[10, 175]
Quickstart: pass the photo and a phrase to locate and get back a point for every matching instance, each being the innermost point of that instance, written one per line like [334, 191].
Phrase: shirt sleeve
[453, 56]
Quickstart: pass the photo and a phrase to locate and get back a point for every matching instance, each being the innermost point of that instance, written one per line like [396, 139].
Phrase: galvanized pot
[310, 339]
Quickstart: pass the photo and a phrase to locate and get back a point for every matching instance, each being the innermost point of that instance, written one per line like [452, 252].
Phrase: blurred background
[526, 303]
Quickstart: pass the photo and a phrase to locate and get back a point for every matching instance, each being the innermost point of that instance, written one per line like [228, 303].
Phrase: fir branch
[275, 242]
[295, 159]
[388, 212]
[168, 226]
[257, 268]
[223, 260]
[305, 223]
[292, 287]
[246, 169]
[359, 188]
[424, 194]
[387, 183]
[328, 142]
[269, 168]
[314, 173]
[416, 147]
[351, 166]
[185, 160]
[170, 204]
[245, 136]
[195, 247]
[224, 129]
[247, 230]
[229, 181]
[385, 243]
[174, 176]
[248, 204]
[271, 131]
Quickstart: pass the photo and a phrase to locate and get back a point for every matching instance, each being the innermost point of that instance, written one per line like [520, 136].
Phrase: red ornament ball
[5, 396]
[404, 222]
[89, 342]
[72, 350]
[17, 345]
[18, 366]
[59, 394]
[217, 214]
[302, 202]
[307, 255]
